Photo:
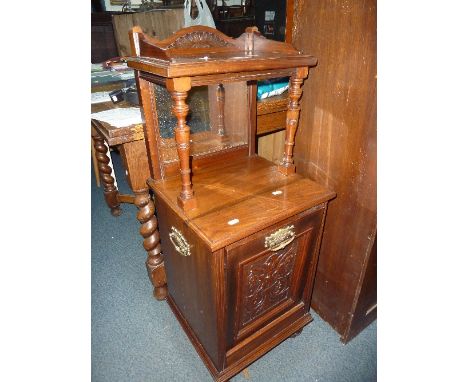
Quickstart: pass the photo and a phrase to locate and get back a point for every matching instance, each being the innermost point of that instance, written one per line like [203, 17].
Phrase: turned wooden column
[295, 91]
[220, 98]
[151, 243]
[111, 194]
[178, 87]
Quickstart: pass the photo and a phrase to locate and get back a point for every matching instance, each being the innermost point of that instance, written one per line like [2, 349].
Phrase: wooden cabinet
[239, 289]
[235, 244]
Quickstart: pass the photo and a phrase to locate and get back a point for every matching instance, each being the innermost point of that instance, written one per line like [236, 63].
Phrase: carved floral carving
[199, 39]
[267, 282]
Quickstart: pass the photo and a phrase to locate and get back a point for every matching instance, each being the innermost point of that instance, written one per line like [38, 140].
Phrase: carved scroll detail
[267, 282]
[199, 39]
[151, 243]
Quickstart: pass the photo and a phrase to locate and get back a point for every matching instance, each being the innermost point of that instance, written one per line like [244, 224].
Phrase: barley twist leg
[111, 194]
[151, 243]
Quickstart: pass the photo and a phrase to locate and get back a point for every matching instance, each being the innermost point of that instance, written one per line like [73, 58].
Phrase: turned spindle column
[220, 98]
[111, 194]
[151, 243]
[287, 166]
[178, 87]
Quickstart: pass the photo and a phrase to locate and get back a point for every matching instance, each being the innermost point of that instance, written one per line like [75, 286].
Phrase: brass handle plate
[280, 239]
[179, 242]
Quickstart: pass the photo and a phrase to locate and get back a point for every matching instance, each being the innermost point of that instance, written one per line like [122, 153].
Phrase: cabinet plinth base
[236, 367]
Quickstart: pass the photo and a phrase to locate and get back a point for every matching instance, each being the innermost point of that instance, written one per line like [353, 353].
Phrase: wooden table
[130, 142]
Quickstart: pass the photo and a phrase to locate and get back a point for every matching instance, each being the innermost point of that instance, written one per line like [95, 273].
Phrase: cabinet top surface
[202, 50]
[237, 199]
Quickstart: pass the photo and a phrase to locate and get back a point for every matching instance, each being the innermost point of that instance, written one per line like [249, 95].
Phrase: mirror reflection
[198, 118]
[218, 119]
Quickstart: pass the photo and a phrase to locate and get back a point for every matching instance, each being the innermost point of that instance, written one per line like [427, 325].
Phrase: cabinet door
[269, 273]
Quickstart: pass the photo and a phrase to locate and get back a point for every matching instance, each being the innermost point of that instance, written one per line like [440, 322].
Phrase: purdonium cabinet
[232, 239]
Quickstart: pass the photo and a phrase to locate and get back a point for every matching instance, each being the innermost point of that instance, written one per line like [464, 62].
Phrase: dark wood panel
[103, 44]
[336, 142]
[234, 27]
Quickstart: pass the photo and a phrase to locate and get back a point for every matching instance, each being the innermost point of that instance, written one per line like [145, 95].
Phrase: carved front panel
[266, 282]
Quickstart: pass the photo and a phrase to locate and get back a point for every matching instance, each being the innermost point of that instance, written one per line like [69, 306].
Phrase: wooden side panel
[122, 24]
[289, 21]
[236, 111]
[136, 163]
[271, 146]
[159, 24]
[336, 141]
[366, 303]
[191, 282]
[271, 122]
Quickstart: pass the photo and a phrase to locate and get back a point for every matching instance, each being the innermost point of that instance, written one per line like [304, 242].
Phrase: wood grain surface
[234, 191]
[336, 144]
[159, 24]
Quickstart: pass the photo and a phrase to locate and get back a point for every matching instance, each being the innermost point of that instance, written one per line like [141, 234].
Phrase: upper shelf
[200, 50]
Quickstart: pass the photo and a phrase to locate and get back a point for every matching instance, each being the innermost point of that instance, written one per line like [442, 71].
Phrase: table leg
[95, 165]
[111, 193]
[151, 243]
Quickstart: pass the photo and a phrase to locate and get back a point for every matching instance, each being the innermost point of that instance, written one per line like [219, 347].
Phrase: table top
[114, 135]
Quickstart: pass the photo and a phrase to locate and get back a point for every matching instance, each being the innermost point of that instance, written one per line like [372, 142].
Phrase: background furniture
[159, 24]
[103, 45]
[129, 141]
[336, 145]
[232, 20]
[240, 236]
[270, 18]
[271, 135]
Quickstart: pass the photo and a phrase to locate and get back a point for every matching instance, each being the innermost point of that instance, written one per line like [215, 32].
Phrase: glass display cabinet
[236, 240]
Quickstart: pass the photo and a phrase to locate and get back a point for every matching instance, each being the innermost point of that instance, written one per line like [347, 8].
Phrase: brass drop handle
[179, 242]
[280, 239]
